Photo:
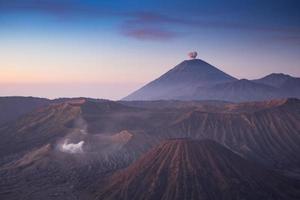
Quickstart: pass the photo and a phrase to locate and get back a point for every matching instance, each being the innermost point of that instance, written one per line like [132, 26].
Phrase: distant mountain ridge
[14, 106]
[274, 79]
[197, 80]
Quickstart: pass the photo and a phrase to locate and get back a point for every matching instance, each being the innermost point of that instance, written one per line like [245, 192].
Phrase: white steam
[81, 124]
[78, 133]
[72, 147]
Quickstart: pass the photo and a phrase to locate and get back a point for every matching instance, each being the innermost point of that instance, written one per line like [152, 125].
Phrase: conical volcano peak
[181, 81]
[194, 64]
[191, 169]
[195, 61]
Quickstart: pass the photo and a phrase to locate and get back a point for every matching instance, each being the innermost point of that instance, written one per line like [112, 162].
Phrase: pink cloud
[149, 33]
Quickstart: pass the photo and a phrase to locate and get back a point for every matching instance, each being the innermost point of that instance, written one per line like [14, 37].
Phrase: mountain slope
[44, 125]
[182, 169]
[237, 91]
[287, 85]
[291, 88]
[53, 153]
[182, 80]
[72, 122]
[274, 79]
[63, 148]
[266, 133]
[13, 107]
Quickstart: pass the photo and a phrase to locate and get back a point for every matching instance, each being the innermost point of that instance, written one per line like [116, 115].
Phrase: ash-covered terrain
[75, 149]
[190, 170]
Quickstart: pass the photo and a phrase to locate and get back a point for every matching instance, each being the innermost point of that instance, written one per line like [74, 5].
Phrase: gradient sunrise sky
[108, 48]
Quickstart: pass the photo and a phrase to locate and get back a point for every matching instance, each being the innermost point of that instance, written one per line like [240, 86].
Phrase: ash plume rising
[192, 54]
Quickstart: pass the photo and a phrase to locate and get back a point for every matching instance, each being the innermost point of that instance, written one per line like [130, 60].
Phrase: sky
[109, 48]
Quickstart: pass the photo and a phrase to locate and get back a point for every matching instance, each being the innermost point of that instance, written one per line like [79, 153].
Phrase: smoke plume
[192, 54]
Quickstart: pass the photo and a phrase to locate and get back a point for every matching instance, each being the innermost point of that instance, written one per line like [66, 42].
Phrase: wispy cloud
[144, 25]
[152, 23]
[149, 33]
[149, 26]
[56, 7]
[288, 39]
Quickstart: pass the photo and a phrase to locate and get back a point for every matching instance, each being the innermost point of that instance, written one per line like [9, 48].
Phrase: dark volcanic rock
[267, 132]
[183, 169]
[115, 134]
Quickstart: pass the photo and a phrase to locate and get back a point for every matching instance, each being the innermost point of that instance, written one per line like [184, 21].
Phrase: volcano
[190, 169]
[197, 80]
[181, 81]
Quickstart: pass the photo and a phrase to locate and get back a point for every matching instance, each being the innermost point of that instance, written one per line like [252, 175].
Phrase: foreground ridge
[191, 169]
